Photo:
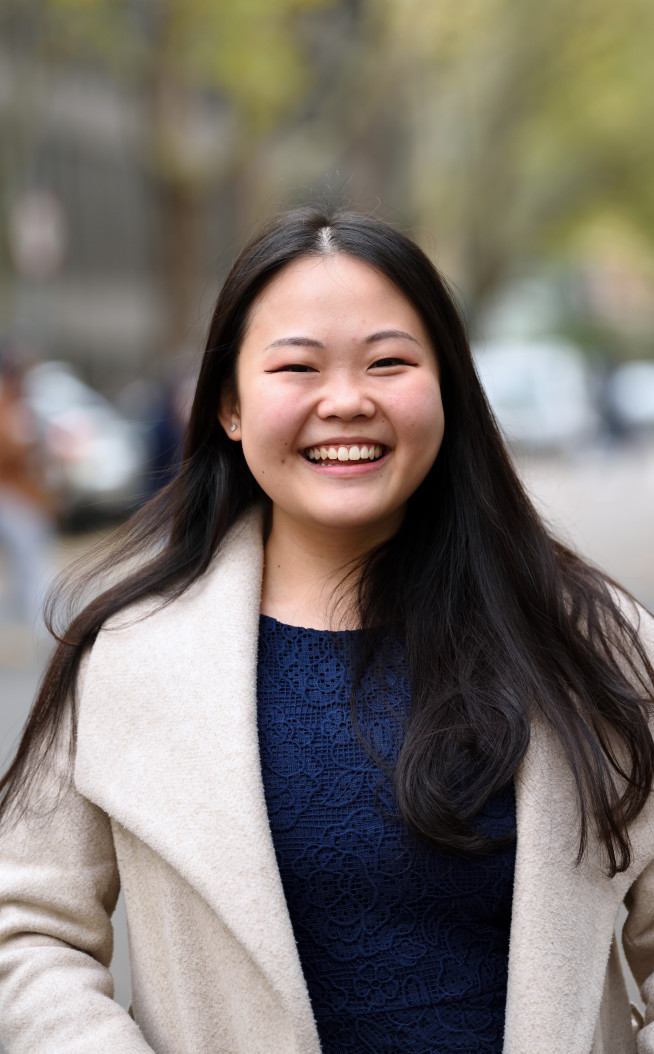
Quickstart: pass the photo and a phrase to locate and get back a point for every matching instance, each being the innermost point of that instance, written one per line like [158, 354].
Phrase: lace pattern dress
[404, 948]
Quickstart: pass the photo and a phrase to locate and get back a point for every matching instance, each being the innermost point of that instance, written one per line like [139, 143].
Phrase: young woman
[344, 664]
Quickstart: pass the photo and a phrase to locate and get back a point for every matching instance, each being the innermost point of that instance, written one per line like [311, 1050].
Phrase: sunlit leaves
[250, 50]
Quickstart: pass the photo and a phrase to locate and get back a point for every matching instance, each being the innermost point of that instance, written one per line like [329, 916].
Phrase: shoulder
[159, 675]
[234, 572]
[157, 634]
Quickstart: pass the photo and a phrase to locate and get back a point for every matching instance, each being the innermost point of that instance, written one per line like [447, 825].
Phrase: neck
[304, 571]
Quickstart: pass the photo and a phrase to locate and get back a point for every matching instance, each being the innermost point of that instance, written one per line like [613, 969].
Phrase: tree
[528, 120]
[243, 68]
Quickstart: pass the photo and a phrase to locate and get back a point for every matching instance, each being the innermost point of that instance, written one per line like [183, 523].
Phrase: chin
[382, 526]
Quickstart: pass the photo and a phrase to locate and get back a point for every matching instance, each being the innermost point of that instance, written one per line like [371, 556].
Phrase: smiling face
[338, 403]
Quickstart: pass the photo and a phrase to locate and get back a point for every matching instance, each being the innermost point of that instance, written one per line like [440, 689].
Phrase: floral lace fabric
[404, 948]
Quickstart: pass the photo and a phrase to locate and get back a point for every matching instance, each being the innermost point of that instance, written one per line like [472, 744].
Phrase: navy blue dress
[404, 948]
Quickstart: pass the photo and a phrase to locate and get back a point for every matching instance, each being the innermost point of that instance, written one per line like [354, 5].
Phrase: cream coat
[168, 802]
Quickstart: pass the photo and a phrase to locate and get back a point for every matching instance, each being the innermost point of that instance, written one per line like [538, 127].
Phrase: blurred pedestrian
[25, 506]
[161, 409]
[168, 425]
[368, 751]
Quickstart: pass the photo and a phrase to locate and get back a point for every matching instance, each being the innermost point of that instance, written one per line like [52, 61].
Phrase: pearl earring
[232, 428]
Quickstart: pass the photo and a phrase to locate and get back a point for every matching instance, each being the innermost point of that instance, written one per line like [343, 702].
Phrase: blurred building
[124, 197]
[74, 170]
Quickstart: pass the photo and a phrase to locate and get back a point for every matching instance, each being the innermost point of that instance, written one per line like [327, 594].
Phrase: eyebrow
[390, 334]
[309, 342]
[294, 342]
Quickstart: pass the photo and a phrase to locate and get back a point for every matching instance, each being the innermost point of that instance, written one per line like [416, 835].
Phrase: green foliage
[530, 120]
[251, 51]
[506, 127]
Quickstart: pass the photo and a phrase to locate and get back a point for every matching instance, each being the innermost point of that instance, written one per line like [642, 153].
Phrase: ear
[228, 413]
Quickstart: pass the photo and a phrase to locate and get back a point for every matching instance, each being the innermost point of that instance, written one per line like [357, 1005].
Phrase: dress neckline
[273, 623]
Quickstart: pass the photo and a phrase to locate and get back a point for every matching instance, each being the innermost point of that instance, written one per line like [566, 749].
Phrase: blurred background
[143, 141]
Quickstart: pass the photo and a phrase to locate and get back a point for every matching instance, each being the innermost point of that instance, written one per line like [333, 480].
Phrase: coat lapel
[563, 915]
[168, 746]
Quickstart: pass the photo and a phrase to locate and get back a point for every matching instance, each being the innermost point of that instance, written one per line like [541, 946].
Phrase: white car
[94, 456]
[630, 395]
[539, 392]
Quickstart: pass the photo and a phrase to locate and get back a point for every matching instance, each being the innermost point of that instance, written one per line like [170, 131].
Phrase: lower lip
[346, 468]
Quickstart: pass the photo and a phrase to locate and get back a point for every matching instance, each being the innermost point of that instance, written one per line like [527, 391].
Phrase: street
[600, 501]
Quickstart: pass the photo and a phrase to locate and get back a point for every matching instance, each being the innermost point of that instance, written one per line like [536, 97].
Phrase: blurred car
[630, 397]
[94, 456]
[539, 391]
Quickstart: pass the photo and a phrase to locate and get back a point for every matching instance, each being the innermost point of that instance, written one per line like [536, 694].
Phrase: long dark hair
[501, 623]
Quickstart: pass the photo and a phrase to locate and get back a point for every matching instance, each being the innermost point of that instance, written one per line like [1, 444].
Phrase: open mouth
[356, 452]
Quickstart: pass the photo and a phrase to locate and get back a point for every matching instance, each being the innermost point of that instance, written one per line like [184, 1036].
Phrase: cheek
[436, 421]
[424, 418]
[270, 422]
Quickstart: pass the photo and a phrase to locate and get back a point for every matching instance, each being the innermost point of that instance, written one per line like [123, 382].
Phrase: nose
[346, 397]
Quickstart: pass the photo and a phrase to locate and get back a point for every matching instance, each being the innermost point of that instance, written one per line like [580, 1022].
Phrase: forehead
[328, 289]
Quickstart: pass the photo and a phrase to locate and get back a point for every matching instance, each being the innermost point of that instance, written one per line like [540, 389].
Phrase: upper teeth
[344, 453]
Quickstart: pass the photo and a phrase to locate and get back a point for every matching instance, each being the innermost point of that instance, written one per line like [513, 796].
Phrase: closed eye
[293, 367]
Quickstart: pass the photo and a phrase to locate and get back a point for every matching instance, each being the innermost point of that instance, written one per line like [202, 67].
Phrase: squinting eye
[393, 362]
[293, 367]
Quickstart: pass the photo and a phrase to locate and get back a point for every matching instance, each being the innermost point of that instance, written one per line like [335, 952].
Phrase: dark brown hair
[500, 622]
